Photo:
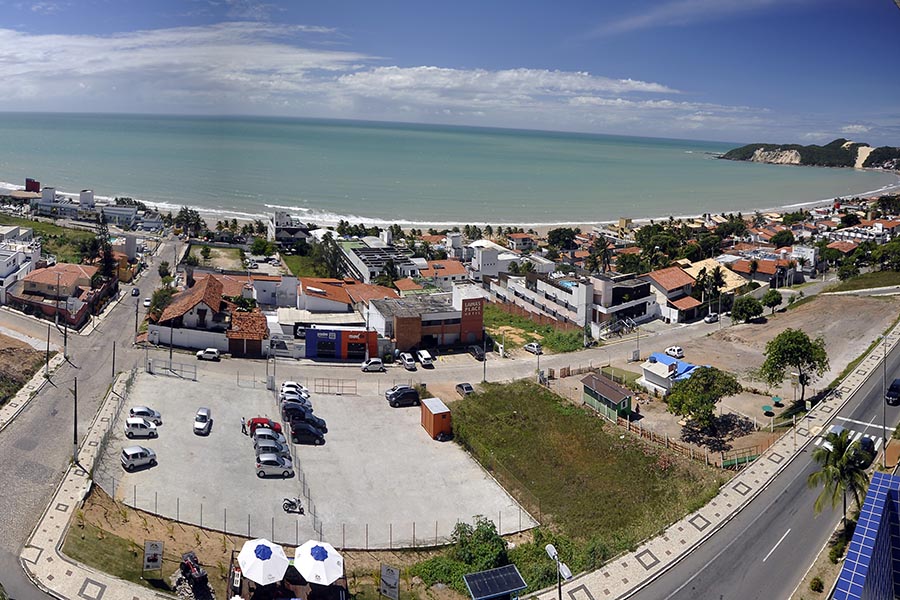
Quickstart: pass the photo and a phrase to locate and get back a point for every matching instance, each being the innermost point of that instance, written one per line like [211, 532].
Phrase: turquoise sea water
[325, 170]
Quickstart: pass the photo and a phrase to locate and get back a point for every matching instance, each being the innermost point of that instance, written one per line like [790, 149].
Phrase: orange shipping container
[435, 417]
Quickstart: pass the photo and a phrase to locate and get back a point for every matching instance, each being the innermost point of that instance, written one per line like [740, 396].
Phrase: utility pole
[47, 358]
[483, 355]
[137, 302]
[171, 333]
[75, 424]
[114, 361]
[884, 401]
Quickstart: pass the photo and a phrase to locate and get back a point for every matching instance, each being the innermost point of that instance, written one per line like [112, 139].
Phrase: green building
[606, 397]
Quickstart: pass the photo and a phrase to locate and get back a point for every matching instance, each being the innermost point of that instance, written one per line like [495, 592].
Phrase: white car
[202, 421]
[272, 464]
[292, 394]
[147, 413]
[146, 302]
[373, 364]
[675, 351]
[294, 386]
[208, 354]
[263, 433]
[534, 348]
[425, 358]
[137, 456]
[407, 360]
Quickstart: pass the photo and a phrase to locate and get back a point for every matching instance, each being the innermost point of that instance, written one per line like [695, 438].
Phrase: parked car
[263, 433]
[273, 464]
[297, 402]
[147, 302]
[202, 421]
[425, 358]
[836, 430]
[140, 427]
[477, 352]
[208, 354]
[406, 359]
[408, 397]
[864, 451]
[146, 412]
[534, 348]
[286, 385]
[397, 389]
[134, 457]
[272, 447]
[711, 318]
[372, 364]
[304, 433]
[289, 408]
[675, 351]
[464, 389]
[308, 417]
[135, 291]
[257, 422]
[892, 396]
[293, 394]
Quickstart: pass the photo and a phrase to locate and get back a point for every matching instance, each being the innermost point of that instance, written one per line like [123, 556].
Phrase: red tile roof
[843, 247]
[248, 326]
[69, 274]
[433, 239]
[330, 289]
[519, 236]
[766, 267]
[363, 292]
[686, 303]
[671, 278]
[232, 285]
[629, 250]
[443, 268]
[407, 285]
[208, 291]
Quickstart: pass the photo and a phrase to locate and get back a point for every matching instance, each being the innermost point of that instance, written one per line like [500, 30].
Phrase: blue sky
[801, 71]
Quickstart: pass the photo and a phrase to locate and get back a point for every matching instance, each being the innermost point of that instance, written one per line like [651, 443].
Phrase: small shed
[606, 397]
[436, 417]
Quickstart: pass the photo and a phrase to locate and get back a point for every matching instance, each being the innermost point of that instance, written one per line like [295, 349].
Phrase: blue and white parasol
[262, 561]
[319, 562]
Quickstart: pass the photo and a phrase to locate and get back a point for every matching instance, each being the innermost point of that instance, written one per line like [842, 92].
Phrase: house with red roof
[63, 291]
[520, 241]
[443, 273]
[672, 287]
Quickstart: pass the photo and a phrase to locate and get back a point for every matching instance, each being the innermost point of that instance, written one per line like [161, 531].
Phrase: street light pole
[483, 356]
[884, 401]
[562, 570]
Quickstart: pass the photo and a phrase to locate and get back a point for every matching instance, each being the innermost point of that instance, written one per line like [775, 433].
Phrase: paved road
[765, 551]
[37, 445]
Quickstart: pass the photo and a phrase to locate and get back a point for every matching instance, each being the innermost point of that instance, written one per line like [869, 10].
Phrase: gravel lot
[379, 480]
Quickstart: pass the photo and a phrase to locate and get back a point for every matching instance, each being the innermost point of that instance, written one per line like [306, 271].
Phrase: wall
[471, 325]
[187, 338]
[407, 332]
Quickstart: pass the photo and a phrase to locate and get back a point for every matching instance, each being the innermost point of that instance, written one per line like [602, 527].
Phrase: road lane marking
[855, 421]
[776, 545]
[856, 437]
[878, 444]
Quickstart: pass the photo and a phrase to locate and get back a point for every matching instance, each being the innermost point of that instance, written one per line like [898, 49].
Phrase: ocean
[397, 173]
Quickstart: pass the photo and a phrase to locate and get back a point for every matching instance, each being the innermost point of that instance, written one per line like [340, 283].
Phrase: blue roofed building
[660, 372]
[871, 569]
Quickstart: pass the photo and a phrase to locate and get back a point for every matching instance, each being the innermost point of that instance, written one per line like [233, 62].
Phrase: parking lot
[378, 481]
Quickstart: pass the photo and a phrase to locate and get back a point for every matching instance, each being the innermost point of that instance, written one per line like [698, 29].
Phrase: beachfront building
[367, 258]
[520, 242]
[660, 372]
[673, 287]
[286, 230]
[63, 292]
[877, 233]
[490, 259]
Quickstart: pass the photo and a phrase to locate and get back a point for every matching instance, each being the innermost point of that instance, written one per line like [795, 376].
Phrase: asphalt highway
[764, 552]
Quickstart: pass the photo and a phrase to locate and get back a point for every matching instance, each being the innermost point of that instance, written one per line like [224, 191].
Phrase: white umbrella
[319, 562]
[262, 561]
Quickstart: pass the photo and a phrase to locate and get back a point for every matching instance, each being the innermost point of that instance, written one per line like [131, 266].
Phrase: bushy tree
[205, 252]
[746, 308]
[772, 299]
[793, 349]
[163, 269]
[848, 270]
[562, 238]
[696, 397]
[783, 238]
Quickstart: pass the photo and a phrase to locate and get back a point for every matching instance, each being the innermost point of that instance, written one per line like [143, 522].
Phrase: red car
[263, 422]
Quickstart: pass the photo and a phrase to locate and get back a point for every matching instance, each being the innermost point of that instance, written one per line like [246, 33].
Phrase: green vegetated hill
[838, 153]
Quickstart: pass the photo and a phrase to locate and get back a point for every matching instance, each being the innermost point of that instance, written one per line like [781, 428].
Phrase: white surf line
[776, 545]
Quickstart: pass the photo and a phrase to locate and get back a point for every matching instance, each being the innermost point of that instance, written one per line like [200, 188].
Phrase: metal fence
[117, 410]
[157, 366]
[337, 387]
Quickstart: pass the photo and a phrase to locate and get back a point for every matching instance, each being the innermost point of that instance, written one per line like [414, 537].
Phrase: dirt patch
[228, 259]
[18, 364]
[214, 549]
[513, 334]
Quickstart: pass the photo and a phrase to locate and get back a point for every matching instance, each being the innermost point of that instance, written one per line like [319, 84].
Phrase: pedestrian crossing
[855, 436]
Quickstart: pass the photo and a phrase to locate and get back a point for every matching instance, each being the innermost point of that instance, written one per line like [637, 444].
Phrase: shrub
[817, 585]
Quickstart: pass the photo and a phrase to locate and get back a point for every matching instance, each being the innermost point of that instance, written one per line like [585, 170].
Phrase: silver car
[272, 464]
[263, 433]
[202, 421]
[134, 457]
[147, 413]
[272, 447]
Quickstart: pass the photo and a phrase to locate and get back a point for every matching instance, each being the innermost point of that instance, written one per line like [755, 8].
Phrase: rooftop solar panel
[501, 581]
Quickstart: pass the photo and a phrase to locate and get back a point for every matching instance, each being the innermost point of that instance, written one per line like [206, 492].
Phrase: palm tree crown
[842, 471]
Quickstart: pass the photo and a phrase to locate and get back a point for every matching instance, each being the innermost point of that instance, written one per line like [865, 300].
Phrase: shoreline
[211, 216]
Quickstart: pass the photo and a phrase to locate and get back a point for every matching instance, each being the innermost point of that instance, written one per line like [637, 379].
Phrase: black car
[304, 433]
[892, 396]
[397, 389]
[308, 417]
[135, 291]
[406, 397]
[477, 352]
[289, 408]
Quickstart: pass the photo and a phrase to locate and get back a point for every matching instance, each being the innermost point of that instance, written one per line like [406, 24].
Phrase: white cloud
[857, 128]
[683, 12]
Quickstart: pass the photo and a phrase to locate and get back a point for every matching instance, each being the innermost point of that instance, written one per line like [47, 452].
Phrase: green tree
[696, 397]
[562, 238]
[630, 263]
[161, 298]
[205, 252]
[261, 247]
[388, 275]
[327, 257]
[163, 269]
[754, 267]
[850, 220]
[772, 299]
[793, 349]
[848, 270]
[782, 238]
[746, 308]
[842, 470]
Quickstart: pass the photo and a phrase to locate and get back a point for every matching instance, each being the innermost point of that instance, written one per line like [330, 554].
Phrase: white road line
[776, 545]
[845, 419]
[878, 444]
[817, 441]
[856, 437]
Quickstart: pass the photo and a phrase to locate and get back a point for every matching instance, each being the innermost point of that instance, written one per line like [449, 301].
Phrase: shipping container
[436, 418]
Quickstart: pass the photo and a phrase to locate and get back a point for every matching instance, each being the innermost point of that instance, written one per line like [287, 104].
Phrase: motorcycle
[292, 505]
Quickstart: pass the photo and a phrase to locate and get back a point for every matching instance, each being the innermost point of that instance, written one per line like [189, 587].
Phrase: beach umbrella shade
[262, 561]
[319, 562]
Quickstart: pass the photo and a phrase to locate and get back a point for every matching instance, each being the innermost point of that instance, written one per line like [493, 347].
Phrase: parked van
[137, 456]
[140, 427]
[425, 358]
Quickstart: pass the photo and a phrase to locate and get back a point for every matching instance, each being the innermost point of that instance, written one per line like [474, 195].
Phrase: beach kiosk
[502, 583]
[436, 418]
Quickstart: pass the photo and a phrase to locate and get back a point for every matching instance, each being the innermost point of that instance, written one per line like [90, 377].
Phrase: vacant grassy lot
[300, 266]
[868, 280]
[18, 364]
[61, 242]
[220, 258]
[591, 484]
[520, 330]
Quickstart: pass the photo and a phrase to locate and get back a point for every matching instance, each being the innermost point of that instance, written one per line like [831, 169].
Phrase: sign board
[153, 555]
[390, 582]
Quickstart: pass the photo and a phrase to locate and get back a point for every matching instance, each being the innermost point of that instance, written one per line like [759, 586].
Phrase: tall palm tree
[716, 281]
[842, 471]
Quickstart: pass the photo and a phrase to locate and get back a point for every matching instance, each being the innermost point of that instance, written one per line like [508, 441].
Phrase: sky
[786, 71]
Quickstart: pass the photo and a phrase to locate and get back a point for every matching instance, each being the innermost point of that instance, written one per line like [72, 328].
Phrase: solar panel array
[501, 581]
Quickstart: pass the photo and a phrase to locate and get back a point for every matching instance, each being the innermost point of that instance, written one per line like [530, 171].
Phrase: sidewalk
[627, 574]
[41, 558]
